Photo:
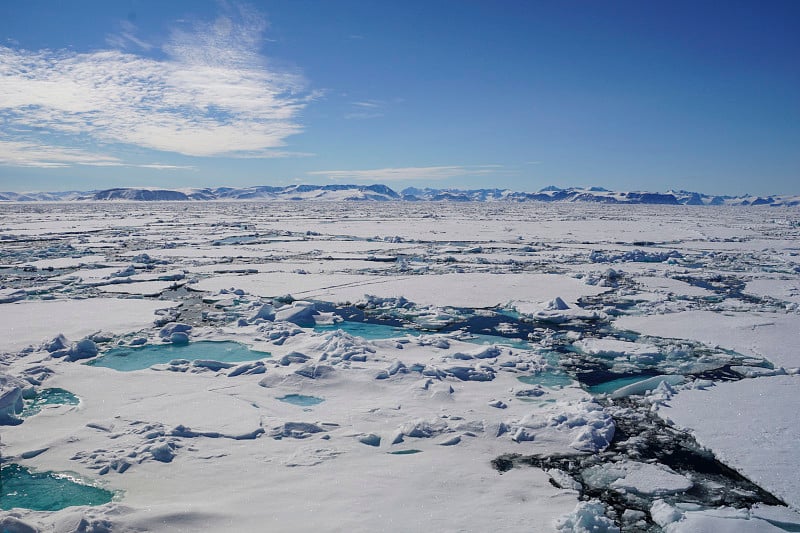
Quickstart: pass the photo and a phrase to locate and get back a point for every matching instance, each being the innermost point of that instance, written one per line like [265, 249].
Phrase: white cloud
[213, 95]
[408, 173]
[32, 154]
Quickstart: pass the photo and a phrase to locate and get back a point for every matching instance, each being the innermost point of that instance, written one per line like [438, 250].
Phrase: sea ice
[640, 478]
[409, 428]
[753, 428]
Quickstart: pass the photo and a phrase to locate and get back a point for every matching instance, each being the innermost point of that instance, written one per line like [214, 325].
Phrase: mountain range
[338, 192]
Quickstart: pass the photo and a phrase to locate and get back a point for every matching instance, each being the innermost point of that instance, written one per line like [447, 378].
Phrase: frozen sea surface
[483, 366]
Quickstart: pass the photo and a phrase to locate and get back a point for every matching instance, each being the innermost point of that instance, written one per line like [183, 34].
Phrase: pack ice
[402, 366]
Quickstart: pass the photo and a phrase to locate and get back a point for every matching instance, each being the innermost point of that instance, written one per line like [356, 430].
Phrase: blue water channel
[126, 359]
[46, 491]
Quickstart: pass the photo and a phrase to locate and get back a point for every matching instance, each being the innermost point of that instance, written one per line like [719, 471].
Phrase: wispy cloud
[158, 166]
[32, 154]
[409, 173]
[361, 115]
[365, 109]
[127, 38]
[213, 94]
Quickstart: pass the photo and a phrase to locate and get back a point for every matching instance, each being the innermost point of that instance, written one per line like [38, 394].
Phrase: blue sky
[698, 95]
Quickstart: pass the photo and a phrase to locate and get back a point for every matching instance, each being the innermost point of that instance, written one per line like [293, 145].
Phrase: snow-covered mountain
[411, 194]
[265, 192]
[595, 194]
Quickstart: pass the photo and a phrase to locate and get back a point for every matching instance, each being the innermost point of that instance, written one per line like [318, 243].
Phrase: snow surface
[208, 445]
[773, 336]
[32, 322]
[458, 290]
[754, 428]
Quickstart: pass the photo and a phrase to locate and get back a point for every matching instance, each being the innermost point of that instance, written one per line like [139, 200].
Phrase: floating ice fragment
[296, 430]
[583, 424]
[163, 452]
[11, 295]
[637, 256]
[314, 371]
[59, 342]
[664, 514]
[83, 349]
[256, 367]
[649, 384]
[640, 478]
[397, 366]
[300, 313]
[488, 352]
[423, 428]
[179, 337]
[174, 327]
[15, 525]
[370, 439]
[530, 393]
[451, 441]
[556, 304]
[211, 364]
[265, 312]
[588, 517]
[521, 435]
[633, 518]
[11, 399]
[466, 373]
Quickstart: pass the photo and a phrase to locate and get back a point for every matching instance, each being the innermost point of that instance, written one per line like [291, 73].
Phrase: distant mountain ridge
[382, 193]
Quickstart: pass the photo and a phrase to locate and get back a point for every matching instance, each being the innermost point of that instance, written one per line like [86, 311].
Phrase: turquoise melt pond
[46, 491]
[44, 397]
[140, 357]
[368, 331]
